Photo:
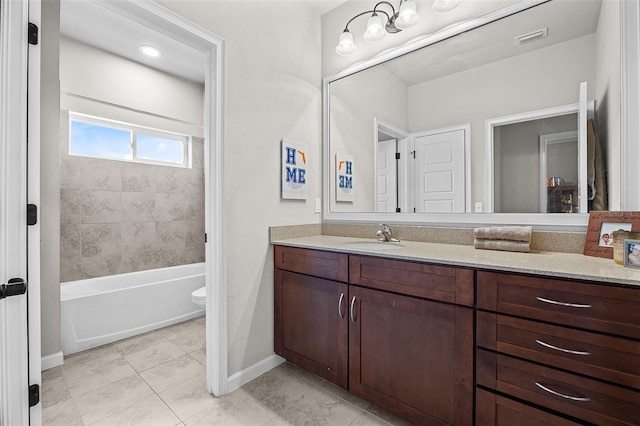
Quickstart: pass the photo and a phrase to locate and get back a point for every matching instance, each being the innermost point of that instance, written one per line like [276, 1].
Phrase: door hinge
[15, 287]
[205, 237]
[397, 155]
[32, 214]
[33, 34]
[414, 154]
[34, 395]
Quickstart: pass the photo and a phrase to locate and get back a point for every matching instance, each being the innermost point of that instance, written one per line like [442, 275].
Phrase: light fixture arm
[366, 12]
[405, 17]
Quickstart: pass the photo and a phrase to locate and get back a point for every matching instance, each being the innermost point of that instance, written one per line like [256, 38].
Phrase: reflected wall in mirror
[459, 84]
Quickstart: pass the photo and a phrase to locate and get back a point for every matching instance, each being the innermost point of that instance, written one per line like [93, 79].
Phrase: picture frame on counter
[599, 239]
[632, 253]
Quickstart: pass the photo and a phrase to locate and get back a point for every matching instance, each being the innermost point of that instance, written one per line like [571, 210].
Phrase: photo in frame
[631, 253]
[602, 224]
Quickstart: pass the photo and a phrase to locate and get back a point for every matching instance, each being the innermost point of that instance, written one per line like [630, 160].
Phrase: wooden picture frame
[603, 223]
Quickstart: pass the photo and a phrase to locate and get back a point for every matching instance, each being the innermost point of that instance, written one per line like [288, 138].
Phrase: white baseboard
[51, 361]
[245, 376]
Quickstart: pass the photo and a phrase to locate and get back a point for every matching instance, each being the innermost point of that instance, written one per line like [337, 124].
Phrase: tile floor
[158, 378]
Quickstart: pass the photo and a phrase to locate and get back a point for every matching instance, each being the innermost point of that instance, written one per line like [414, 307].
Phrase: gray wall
[119, 217]
[49, 177]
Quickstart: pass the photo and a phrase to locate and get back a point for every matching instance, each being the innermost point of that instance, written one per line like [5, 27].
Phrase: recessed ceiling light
[150, 51]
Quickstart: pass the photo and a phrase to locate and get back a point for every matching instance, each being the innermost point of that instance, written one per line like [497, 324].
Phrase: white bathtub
[97, 311]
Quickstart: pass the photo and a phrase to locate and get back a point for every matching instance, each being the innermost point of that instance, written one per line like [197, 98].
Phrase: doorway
[211, 48]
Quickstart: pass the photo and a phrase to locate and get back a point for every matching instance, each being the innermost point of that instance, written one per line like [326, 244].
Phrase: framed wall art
[295, 161]
[345, 189]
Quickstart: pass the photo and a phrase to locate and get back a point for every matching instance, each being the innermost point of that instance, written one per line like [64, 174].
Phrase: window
[102, 138]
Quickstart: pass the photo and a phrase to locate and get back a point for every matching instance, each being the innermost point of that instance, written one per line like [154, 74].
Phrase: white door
[386, 175]
[440, 172]
[14, 337]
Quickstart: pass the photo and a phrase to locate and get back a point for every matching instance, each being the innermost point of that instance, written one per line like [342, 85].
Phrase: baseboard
[51, 361]
[248, 374]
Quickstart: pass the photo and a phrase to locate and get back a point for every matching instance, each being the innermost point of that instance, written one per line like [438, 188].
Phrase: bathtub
[101, 310]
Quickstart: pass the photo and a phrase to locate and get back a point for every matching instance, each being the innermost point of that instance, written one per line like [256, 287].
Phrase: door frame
[14, 335]
[539, 114]
[545, 141]
[159, 18]
[401, 136]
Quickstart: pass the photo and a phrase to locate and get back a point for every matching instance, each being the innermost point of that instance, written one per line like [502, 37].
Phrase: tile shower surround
[118, 217]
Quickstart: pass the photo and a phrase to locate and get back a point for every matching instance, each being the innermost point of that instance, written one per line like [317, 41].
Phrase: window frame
[133, 130]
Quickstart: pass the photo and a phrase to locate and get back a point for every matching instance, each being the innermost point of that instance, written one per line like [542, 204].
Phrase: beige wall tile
[169, 207]
[138, 206]
[101, 239]
[101, 207]
[139, 178]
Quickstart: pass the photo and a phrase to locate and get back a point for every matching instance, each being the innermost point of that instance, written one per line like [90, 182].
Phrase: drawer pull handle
[340, 305]
[569, 351]
[571, 305]
[572, 398]
[353, 302]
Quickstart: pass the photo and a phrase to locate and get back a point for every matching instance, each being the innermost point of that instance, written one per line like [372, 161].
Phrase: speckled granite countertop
[561, 265]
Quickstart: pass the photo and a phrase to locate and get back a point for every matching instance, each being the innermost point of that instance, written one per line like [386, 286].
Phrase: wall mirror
[415, 120]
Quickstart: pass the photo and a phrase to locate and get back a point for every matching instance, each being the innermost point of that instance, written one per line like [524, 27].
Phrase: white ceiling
[89, 22]
[93, 24]
[565, 20]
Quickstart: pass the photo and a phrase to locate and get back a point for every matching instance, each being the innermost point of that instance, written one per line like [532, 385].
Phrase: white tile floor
[158, 378]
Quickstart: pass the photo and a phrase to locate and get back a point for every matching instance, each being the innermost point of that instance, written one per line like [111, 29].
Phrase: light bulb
[375, 29]
[445, 6]
[346, 46]
[407, 16]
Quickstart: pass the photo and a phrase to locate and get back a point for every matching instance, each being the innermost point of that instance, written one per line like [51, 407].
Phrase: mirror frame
[575, 222]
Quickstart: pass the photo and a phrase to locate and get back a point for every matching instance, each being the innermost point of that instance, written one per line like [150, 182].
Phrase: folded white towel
[509, 233]
[504, 245]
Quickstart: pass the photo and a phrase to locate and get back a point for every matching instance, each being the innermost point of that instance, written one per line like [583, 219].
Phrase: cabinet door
[413, 357]
[311, 324]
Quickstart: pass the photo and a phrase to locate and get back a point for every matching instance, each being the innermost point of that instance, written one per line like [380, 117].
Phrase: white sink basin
[372, 245]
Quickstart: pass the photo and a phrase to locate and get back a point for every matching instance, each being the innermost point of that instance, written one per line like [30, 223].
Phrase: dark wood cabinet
[412, 356]
[311, 324]
[494, 409]
[409, 328]
[568, 347]
[438, 344]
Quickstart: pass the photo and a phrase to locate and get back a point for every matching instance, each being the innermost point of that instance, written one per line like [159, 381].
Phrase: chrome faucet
[385, 234]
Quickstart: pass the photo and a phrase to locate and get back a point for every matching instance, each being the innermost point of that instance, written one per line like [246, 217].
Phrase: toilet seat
[200, 294]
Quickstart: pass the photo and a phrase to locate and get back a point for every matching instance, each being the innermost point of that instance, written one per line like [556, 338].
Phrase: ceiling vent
[532, 36]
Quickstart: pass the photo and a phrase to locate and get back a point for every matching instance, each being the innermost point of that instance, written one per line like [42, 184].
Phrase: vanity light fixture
[154, 52]
[444, 6]
[405, 17]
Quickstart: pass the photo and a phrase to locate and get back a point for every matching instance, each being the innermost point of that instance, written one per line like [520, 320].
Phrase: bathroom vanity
[442, 334]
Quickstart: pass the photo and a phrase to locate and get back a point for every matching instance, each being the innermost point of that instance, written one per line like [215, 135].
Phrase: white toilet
[199, 297]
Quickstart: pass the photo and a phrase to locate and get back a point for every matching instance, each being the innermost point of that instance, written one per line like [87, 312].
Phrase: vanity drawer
[608, 309]
[323, 264]
[443, 283]
[580, 397]
[494, 409]
[605, 357]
